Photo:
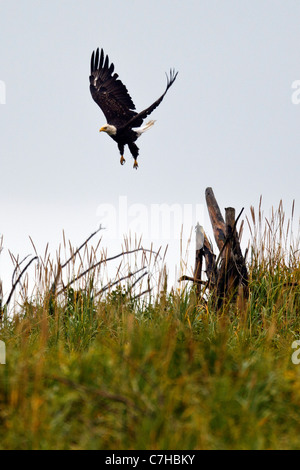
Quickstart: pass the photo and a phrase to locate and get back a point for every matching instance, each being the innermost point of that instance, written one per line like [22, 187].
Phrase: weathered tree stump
[216, 218]
[227, 274]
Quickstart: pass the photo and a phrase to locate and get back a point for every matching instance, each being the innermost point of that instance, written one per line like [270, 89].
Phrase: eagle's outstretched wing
[109, 92]
[137, 119]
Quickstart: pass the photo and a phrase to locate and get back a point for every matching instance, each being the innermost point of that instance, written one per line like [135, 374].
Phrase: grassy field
[159, 372]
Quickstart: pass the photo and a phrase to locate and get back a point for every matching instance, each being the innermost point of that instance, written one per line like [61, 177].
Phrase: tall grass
[163, 370]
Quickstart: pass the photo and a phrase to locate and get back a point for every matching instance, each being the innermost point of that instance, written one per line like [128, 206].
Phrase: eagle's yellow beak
[102, 129]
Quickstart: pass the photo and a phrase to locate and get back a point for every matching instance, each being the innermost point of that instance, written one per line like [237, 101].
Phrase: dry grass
[89, 368]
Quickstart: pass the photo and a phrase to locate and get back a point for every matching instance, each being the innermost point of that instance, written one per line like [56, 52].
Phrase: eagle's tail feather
[144, 128]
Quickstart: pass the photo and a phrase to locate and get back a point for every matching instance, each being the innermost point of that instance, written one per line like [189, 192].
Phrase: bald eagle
[124, 124]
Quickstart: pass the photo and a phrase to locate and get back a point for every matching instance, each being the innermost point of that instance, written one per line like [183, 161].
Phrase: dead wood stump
[227, 274]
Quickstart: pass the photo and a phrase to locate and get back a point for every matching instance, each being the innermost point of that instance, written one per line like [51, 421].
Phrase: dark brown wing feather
[109, 92]
[137, 120]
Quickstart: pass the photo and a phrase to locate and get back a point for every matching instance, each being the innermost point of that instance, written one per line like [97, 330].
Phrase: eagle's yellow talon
[122, 160]
[135, 165]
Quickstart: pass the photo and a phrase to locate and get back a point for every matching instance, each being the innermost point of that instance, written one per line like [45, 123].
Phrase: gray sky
[227, 122]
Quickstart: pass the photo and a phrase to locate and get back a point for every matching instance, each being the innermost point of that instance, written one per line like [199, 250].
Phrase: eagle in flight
[124, 124]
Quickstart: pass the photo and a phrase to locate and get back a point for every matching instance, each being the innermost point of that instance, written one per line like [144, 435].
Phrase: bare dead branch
[139, 278]
[18, 264]
[189, 278]
[147, 291]
[111, 284]
[81, 246]
[18, 280]
[99, 263]
[61, 266]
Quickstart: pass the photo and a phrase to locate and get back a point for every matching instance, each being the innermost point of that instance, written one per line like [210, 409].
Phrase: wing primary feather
[111, 68]
[101, 59]
[97, 58]
[92, 62]
[171, 78]
[106, 63]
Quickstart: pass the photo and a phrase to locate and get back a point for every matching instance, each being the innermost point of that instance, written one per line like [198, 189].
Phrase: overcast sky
[230, 121]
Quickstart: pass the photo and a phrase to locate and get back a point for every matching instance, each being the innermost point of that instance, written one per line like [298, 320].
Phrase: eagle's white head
[109, 129]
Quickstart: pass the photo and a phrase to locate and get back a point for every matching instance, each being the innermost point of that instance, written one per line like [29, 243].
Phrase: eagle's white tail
[144, 128]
